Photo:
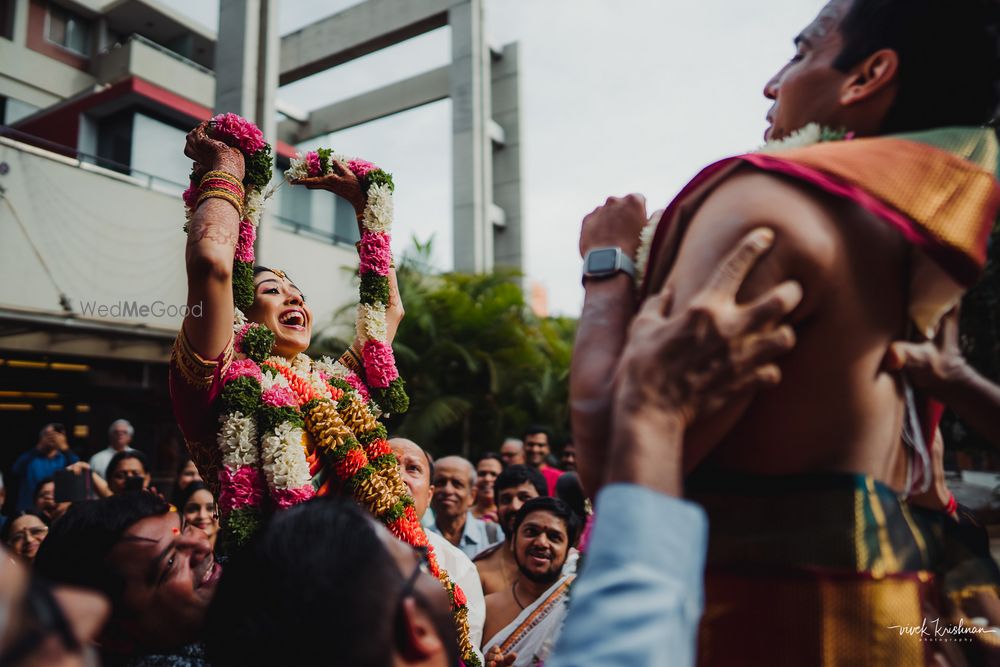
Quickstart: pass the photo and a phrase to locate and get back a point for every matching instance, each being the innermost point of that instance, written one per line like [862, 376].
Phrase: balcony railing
[86, 160]
[134, 37]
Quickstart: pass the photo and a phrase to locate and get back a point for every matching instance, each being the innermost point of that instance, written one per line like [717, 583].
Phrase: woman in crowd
[187, 472]
[25, 533]
[197, 507]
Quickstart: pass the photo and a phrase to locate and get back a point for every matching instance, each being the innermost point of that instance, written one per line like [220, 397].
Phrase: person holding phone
[128, 471]
[51, 453]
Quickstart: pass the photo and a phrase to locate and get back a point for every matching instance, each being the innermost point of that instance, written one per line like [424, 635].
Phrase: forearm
[209, 257]
[646, 450]
[608, 307]
[977, 401]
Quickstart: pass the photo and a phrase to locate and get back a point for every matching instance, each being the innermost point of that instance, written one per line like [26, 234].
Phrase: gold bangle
[225, 175]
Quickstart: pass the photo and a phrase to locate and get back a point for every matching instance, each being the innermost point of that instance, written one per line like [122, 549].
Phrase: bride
[266, 425]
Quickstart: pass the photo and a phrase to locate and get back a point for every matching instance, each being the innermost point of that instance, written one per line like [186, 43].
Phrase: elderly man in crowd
[513, 488]
[119, 438]
[416, 469]
[454, 480]
[512, 452]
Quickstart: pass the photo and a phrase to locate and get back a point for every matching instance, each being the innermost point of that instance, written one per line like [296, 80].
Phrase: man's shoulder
[489, 557]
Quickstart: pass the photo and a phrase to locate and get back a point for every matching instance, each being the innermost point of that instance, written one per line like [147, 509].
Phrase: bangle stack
[221, 185]
[352, 360]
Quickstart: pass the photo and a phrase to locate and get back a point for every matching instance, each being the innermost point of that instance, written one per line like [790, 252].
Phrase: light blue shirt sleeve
[639, 598]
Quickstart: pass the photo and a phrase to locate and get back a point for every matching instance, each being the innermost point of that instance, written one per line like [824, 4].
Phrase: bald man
[454, 479]
[512, 452]
[416, 469]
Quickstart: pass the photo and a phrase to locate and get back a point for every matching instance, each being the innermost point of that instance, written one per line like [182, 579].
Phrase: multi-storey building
[96, 97]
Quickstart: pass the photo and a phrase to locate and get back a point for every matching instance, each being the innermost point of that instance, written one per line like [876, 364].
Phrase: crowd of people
[756, 470]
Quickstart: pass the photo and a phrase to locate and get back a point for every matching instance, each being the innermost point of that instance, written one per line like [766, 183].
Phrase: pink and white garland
[375, 254]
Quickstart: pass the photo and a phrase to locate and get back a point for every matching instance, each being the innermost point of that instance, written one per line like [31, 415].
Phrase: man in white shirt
[416, 469]
[119, 438]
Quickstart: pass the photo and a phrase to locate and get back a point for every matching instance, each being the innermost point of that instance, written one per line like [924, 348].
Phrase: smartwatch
[607, 262]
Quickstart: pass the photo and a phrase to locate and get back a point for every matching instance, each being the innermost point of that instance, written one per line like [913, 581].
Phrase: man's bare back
[835, 409]
[497, 570]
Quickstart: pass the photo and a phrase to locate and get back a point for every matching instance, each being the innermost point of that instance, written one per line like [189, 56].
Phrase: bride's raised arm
[212, 235]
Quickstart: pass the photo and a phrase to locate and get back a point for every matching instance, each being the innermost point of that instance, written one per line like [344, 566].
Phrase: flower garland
[813, 133]
[240, 133]
[375, 256]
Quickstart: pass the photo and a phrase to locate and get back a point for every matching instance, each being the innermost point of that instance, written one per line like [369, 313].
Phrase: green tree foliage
[479, 365]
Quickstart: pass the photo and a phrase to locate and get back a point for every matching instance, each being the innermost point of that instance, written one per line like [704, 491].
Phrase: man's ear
[874, 75]
[417, 637]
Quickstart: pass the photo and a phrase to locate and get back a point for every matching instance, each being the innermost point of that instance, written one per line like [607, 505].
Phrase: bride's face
[280, 306]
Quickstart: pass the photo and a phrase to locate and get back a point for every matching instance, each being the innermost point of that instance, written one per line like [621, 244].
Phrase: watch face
[602, 261]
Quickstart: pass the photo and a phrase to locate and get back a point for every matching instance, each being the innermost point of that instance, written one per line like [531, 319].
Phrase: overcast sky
[618, 96]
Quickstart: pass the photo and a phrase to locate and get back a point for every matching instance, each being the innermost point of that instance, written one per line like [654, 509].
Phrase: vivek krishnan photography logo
[136, 310]
[936, 631]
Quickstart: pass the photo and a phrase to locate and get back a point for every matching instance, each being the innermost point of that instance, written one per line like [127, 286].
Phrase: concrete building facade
[95, 99]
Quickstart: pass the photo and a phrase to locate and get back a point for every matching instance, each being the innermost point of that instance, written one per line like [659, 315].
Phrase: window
[7, 19]
[69, 30]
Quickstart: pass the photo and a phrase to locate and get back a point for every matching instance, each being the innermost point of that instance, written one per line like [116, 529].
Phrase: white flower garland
[237, 439]
[283, 456]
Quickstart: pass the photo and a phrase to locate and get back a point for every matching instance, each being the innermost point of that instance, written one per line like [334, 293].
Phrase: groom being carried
[881, 233]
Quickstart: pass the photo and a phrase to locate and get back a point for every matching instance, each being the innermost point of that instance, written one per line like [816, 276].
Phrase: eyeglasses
[21, 536]
[423, 566]
[124, 474]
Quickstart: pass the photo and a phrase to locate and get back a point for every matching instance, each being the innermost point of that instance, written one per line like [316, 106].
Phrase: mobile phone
[70, 487]
[134, 483]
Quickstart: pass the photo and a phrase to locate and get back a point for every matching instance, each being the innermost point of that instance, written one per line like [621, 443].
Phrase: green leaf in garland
[384, 462]
[324, 159]
[393, 513]
[393, 399]
[379, 177]
[239, 527]
[340, 384]
[241, 395]
[374, 289]
[360, 476]
[309, 406]
[258, 342]
[377, 433]
[270, 417]
[344, 402]
[258, 168]
[242, 284]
